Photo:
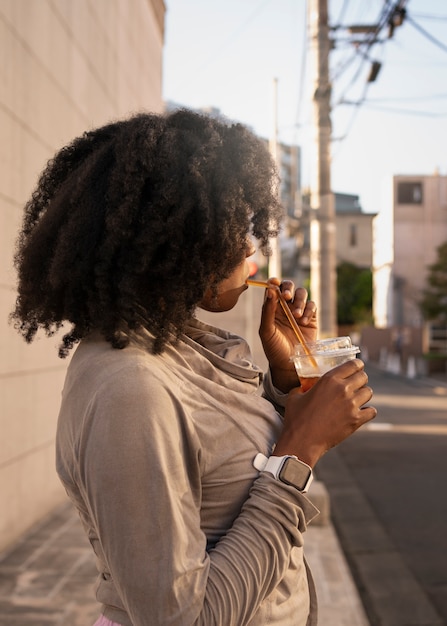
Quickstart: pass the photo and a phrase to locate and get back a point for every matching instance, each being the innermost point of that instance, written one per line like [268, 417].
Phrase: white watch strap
[260, 461]
[274, 465]
[271, 464]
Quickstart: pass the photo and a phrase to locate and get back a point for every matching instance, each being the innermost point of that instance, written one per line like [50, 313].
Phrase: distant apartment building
[353, 231]
[290, 175]
[407, 233]
[68, 66]
[353, 240]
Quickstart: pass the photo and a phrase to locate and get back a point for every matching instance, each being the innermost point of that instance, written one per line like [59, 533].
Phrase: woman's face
[229, 290]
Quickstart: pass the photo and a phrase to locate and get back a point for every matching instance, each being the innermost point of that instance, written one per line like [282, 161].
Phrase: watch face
[295, 473]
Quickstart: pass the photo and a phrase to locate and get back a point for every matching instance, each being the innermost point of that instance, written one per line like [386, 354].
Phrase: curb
[319, 496]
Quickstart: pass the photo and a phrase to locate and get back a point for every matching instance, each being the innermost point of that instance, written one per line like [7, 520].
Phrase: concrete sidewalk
[47, 579]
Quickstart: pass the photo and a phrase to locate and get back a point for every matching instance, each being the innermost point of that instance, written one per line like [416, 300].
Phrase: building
[353, 232]
[407, 233]
[290, 240]
[353, 239]
[67, 66]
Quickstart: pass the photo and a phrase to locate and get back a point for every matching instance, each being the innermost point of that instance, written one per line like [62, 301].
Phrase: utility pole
[323, 277]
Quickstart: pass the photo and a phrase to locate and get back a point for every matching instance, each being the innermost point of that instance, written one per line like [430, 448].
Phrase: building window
[353, 235]
[409, 193]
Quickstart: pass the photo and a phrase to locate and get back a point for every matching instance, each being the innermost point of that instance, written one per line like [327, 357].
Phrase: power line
[231, 38]
[369, 105]
[302, 75]
[438, 96]
[353, 116]
[342, 12]
[343, 67]
[392, 14]
[363, 48]
[427, 34]
[431, 17]
[239, 29]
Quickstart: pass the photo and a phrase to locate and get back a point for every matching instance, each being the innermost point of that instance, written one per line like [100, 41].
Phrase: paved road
[388, 493]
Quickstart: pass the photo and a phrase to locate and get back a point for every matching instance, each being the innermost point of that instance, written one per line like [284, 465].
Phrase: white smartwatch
[288, 469]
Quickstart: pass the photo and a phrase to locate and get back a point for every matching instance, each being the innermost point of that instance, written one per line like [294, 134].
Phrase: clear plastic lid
[334, 346]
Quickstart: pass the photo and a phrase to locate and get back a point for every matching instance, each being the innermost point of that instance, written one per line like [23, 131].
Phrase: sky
[229, 54]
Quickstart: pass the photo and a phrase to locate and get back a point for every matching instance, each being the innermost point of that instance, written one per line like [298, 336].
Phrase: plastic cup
[320, 357]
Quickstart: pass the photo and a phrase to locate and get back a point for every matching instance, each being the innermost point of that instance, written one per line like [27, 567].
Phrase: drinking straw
[296, 329]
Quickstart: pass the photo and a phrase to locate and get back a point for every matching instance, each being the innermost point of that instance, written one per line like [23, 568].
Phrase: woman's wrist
[284, 379]
[309, 454]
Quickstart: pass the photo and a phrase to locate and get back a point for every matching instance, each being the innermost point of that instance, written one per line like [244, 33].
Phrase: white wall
[418, 231]
[65, 66]
[383, 259]
[360, 252]
[406, 237]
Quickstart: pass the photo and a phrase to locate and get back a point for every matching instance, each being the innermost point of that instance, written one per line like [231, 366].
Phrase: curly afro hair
[131, 223]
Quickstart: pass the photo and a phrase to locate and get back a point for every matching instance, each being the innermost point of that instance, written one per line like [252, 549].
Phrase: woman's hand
[277, 336]
[327, 414]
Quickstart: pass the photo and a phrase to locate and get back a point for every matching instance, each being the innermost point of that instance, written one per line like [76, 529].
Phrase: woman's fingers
[302, 309]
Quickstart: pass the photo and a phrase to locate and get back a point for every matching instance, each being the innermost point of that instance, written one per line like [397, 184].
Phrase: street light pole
[323, 278]
[274, 264]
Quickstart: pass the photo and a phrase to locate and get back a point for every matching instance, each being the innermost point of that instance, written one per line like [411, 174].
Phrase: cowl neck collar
[228, 352]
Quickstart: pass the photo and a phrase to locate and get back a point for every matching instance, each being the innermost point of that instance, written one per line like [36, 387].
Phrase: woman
[132, 228]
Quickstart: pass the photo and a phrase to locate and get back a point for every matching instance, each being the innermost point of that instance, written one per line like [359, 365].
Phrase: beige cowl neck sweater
[156, 453]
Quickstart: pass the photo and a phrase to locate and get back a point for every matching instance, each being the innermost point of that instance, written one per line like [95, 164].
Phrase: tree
[354, 294]
[434, 299]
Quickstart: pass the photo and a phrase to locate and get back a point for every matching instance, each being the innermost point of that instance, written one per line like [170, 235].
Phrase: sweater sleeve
[140, 469]
[274, 395]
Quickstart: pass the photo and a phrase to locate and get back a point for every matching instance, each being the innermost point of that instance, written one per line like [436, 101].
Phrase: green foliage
[434, 301]
[354, 294]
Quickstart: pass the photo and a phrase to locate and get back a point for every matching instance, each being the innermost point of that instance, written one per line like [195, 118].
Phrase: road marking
[379, 426]
[412, 429]
[431, 403]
